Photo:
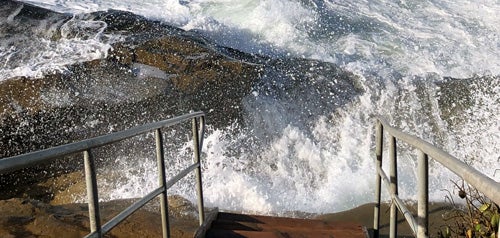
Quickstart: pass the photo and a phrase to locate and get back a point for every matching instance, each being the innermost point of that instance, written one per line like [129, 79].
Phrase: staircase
[239, 225]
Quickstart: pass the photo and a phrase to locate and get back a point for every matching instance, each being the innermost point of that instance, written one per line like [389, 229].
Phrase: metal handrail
[419, 226]
[14, 163]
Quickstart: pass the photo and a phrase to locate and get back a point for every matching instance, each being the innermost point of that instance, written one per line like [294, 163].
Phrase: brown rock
[192, 65]
[21, 93]
[31, 218]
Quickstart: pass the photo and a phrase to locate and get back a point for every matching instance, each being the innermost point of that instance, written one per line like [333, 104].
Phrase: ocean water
[321, 161]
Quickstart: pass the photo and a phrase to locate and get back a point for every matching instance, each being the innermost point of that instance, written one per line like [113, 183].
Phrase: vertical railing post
[202, 130]
[498, 232]
[379, 140]
[92, 196]
[160, 160]
[196, 151]
[423, 195]
[394, 185]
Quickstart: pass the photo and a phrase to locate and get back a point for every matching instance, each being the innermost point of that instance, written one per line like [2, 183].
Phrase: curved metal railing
[419, 226]
[96, 229]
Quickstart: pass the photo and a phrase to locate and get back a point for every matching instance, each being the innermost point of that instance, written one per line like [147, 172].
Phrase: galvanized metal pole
[92, 197]
[162, 181]
[423, 195]
[478, 180]
[202, 130]
[199, 190]
[379, 140]
[393, 170]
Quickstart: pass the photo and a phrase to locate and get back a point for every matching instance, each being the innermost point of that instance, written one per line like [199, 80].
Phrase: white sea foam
[38, 50]
[169, 10]
[394, 46]
[54, 56]
[458, 39]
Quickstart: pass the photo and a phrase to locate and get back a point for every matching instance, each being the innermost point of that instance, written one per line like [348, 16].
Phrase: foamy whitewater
[399, 50]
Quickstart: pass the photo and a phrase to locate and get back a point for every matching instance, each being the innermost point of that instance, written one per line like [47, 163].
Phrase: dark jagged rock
[133, 25]
[458, 96]
[29, 21]
[144, 79]
[157, 71]
[148, 77]
[199, 77]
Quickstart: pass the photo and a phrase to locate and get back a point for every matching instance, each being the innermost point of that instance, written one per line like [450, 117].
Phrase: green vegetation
[477, 218]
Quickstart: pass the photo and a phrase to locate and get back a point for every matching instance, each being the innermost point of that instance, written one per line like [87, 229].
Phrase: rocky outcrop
[458, 97]
[156, 72]
[47, 208]
[32, 218]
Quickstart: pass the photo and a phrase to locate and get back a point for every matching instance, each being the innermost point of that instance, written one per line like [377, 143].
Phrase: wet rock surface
[457, 97]
[32, 218]
[153, 72]
[156, 71]
[47, 209]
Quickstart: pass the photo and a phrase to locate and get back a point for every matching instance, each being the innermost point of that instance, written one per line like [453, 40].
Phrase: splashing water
[48, 44]
[400, 50]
